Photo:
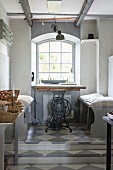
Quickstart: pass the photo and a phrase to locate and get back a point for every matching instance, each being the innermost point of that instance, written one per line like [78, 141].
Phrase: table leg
[2, 143]
[16, 143]
[108, 156]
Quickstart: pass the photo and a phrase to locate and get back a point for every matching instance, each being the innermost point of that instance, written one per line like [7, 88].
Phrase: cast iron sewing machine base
[60, 109]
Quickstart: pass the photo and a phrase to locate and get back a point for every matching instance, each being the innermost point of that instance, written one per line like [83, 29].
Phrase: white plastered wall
[4, 57]
[21, 56]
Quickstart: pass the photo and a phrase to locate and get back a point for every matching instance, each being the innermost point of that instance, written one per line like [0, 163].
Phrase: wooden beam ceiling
[27, 11]
[54, 19]
[83, 12]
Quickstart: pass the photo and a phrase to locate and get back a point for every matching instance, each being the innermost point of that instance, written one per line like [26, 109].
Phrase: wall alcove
[76, 55]
[52, 36]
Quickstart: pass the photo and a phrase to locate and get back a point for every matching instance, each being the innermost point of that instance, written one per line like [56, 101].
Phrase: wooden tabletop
[59, 87]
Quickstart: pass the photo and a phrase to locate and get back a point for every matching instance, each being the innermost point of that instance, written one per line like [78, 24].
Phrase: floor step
[58, 167]
[56, 160]
[58, 156]
[67, 146]
[58, 147]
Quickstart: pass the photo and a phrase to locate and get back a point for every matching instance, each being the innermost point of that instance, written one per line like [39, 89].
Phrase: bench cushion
[102, 102]
[25, 99]
[90, 97]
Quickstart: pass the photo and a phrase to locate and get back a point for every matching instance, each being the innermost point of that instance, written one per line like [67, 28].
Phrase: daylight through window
[54, 60]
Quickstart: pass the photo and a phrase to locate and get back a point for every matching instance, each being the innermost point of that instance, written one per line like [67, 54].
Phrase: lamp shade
[60, 36]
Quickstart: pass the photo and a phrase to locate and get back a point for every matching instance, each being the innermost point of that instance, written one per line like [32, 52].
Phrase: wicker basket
[14, 109]
[8, 117]
[7, 95]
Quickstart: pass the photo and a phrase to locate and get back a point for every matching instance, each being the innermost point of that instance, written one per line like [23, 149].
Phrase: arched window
[55, 60]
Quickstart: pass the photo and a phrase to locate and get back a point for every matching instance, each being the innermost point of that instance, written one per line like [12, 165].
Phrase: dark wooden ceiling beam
[27, 11]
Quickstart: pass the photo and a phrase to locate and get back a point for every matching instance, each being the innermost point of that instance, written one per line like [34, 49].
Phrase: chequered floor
[59, 167]
[79, 134]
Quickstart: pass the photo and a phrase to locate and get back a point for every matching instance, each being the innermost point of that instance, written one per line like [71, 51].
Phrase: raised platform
[59, 147]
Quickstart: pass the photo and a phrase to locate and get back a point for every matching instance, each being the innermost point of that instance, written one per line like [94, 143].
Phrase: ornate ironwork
[60, 109]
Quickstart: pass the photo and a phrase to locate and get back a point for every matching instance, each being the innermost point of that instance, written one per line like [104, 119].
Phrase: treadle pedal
[70, 130]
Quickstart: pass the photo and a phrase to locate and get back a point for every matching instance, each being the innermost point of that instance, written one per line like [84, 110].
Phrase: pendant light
[55, 29]
[60, 36]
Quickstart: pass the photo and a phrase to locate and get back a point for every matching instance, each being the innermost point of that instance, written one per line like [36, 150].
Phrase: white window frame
[37, 57]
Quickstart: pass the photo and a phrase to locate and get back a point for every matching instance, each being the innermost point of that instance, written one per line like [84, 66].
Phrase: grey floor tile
[30, 154]
[32, 168]
[81, 134]
[91, 167]
[86, 153]
[58, 140]
[61, 168]
[60, 154]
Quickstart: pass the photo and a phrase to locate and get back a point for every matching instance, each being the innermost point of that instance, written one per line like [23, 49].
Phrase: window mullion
[49, 59]
[60, 66]
[61, 60]
[37, 63]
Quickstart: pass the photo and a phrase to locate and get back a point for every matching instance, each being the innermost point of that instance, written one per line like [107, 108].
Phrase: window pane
[44, 76]
[54, 57]
[55, 46]
[54, 76]
[66, 47]
[65, 76]
[43, 57]
[55, 60]
[54, 67]
[66, 67]
[66, 57]
[44, 47]
[44, 68]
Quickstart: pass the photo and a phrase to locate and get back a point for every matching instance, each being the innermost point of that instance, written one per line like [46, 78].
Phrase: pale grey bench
[95, 111]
